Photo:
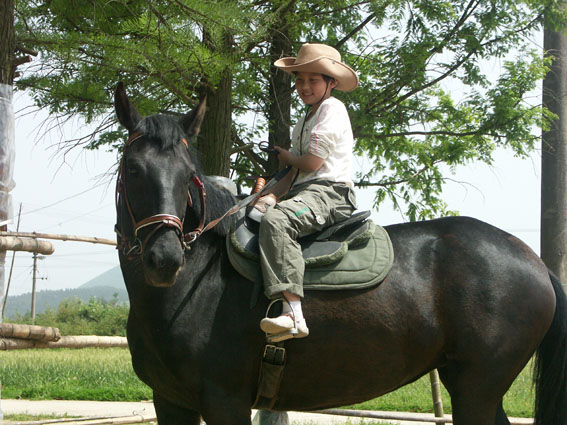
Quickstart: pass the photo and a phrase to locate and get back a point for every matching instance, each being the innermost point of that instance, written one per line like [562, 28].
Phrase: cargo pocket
[305, 218]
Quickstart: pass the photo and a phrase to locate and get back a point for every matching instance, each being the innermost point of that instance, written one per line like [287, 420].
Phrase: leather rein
[129, 247]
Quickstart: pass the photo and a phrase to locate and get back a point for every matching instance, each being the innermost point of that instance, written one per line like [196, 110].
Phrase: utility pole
[36, 257]
[34, 281]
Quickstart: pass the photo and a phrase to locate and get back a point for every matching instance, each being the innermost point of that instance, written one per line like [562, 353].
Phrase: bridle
[130, 247]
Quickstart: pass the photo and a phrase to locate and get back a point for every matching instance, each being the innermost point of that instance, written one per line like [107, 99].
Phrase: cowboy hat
[321, 59]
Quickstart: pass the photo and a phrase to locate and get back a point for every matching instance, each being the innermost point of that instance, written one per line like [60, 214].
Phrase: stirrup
[282, 336]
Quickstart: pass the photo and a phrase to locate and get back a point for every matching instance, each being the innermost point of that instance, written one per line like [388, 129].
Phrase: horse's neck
[218, 202]
[198, 282]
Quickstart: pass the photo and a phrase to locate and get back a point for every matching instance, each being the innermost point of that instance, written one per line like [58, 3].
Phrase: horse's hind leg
[170, 414]
[473, 399]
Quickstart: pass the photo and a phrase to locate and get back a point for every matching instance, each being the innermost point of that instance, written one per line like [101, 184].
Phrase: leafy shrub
[76, 317]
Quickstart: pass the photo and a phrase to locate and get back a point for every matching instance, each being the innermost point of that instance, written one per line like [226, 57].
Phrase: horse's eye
[132, 169]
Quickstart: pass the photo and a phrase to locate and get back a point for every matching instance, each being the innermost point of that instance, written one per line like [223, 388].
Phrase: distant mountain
[112, 278]
[104, 286]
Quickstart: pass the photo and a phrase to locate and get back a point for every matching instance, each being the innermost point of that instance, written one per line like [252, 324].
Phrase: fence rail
[82, 341]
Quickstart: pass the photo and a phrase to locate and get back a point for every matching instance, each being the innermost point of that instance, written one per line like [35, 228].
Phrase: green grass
[416, 397]
[84, 374]
[26, 417]
[106, 374]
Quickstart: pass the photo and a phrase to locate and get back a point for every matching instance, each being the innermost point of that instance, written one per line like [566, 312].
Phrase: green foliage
[76, 317]
[431, 95]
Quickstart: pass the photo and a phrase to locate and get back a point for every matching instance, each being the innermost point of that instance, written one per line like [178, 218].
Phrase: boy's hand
[285, 156]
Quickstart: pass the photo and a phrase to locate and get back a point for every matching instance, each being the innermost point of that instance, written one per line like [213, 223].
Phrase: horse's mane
[166, 131]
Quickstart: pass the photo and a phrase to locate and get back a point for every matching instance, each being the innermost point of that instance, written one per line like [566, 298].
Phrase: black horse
[463, 297]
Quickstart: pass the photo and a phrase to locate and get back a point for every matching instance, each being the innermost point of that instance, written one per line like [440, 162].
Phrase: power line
[65, 199]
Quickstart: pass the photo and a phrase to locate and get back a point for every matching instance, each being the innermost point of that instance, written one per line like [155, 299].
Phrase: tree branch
[363, 183]
[355, 31]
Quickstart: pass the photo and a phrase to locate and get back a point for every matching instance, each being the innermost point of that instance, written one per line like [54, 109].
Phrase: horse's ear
[192, 121]
[126, 112]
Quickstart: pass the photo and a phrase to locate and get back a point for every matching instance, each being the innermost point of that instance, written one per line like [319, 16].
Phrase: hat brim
[347, 80]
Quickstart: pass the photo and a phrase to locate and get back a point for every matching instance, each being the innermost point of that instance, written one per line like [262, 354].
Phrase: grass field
[106, 374]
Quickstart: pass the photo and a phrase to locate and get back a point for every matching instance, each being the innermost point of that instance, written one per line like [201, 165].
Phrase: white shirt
[328, 135]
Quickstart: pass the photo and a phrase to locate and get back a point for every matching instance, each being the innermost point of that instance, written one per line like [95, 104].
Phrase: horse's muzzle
[163, 260]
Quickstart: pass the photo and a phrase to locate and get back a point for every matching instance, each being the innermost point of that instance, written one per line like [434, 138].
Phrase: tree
[554, 155]
[424, 101]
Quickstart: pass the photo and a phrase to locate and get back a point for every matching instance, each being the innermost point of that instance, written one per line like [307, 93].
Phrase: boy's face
[312, 88]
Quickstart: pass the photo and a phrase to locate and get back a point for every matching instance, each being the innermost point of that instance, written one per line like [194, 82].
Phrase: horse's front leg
[220, 408]
[170, 414]
[269, 417]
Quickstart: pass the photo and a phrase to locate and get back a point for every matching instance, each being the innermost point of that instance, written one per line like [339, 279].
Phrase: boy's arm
[306, 162]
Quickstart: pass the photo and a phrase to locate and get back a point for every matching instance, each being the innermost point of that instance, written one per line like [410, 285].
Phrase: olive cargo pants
[306, 209]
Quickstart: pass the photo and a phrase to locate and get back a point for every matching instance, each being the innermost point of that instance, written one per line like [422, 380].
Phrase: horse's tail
[550, 372]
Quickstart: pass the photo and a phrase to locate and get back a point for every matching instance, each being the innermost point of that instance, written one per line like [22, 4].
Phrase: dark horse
[463, 297]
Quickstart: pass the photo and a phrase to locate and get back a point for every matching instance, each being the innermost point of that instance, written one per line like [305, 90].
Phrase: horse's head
[153, 185]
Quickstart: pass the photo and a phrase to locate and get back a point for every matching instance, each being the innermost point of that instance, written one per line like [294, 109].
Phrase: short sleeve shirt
[328, 135]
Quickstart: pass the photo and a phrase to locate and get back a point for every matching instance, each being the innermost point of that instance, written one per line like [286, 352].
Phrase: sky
[71, 194]
[74, 195]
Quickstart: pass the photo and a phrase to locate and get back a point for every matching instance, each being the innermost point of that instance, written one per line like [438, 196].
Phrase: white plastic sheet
[7, 152]
[7, 155]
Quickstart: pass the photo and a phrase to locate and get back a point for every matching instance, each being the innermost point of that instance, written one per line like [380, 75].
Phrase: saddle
[352, 254]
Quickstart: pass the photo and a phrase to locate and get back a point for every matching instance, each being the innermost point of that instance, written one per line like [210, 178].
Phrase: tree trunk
[215, 140]
[279, 106]
[554, 159]
[7, 42]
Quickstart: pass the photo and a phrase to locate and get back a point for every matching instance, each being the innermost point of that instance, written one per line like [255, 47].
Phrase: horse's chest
[168, 365]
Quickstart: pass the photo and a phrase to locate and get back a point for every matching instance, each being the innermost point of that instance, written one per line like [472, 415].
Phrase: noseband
[134, 247]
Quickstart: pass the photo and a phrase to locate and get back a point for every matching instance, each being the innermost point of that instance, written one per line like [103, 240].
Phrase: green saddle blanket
[355, 261]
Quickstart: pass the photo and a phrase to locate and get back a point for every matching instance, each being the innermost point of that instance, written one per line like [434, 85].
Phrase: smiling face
[312, 88]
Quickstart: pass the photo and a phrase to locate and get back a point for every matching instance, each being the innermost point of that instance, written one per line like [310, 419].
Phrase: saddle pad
[363, 265]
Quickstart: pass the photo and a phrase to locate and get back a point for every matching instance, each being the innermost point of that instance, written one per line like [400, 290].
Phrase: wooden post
[436, 394]
[39, 333]
[57, 237]
[13, 243]
[80, 341]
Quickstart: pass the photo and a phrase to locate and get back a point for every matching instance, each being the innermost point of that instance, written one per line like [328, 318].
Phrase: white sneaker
[283, 327]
